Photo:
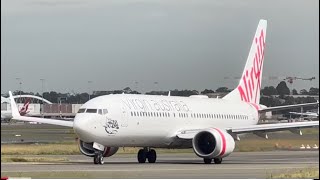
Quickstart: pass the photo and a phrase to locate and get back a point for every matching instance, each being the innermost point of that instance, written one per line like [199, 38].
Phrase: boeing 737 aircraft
[209, 126]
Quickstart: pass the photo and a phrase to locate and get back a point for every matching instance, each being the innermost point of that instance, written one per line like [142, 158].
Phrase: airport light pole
[156, 85]
[136, 84]
[20, 86]
[89, 82]
[42, 85]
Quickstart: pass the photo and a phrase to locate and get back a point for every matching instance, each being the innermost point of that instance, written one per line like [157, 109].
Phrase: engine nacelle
[213, 143]
[88, 150]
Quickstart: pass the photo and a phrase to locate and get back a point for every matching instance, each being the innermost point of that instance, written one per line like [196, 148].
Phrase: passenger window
[81, 110]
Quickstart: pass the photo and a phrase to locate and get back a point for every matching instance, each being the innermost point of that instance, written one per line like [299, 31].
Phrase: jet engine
[88, 150]
[213, 143]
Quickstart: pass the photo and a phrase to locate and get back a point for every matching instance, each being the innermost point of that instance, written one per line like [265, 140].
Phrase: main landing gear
[215, 160]
[98, 158]
[145, 154]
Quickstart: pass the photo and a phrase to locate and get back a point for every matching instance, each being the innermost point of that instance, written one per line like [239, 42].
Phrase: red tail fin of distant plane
[24, 109]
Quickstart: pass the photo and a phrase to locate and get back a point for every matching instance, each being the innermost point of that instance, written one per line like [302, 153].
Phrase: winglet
[169, 94]
[14, 108]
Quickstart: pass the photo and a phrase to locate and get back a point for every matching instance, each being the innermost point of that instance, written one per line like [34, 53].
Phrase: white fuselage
[153, 121]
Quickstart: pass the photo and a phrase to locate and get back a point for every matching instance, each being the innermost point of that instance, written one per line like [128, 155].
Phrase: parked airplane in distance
[209, 126]
[7, 114]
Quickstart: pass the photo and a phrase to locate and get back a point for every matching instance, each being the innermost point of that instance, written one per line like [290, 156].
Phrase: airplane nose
[81, 127]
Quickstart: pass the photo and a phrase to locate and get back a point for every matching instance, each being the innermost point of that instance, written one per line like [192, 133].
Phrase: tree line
[270, 96]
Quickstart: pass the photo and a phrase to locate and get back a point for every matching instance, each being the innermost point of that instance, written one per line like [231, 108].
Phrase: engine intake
[213, 143]
[88, 150]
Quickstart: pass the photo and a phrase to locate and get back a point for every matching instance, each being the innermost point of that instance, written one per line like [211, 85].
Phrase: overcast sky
[181, 44]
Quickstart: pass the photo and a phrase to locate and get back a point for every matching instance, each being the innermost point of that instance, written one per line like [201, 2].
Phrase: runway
[188, 165]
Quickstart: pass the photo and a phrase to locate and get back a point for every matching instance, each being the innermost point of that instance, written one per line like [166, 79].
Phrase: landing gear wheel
[217, 160]
[95, 159]
[207, 161]
[98, 159]
[152, 156]
[142, 156]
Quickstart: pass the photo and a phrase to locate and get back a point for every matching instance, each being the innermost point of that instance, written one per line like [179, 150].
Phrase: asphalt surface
[237, 165]
[17, 133]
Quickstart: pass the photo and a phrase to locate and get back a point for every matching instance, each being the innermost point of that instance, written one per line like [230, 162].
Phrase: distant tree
[304, 92]
[283, 89]
[294, 92]
[135, 92]
[222, 90]
[269, 90]
[207, 91]
[127, 90]
[185, 93]
[157, 93]
[313, 91]
[117, 91]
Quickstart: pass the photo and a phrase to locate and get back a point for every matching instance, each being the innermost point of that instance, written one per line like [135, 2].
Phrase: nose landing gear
[98, 158]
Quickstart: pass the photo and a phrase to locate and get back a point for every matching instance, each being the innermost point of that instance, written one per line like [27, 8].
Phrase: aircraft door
[124, 118]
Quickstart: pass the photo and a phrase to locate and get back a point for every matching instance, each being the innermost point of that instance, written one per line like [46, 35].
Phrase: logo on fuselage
[111, 126]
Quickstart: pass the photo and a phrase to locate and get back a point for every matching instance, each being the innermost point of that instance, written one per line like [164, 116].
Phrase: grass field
[307, 173]
[32, 159]
[72, 148]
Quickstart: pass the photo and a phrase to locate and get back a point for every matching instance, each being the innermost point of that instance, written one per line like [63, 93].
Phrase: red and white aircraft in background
[7, 114]
[209, 126]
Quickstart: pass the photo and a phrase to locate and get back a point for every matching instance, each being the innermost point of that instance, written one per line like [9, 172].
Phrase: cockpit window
[81, 110]
[100, 111]
[91, 111]
[105, 111]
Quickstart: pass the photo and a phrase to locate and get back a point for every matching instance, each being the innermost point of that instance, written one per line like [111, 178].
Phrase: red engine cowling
[88, 150]
[213, 143]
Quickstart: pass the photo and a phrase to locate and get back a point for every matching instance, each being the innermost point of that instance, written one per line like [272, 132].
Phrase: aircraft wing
[259, 129]
[276, 108]
[305, 114]
[16, 116]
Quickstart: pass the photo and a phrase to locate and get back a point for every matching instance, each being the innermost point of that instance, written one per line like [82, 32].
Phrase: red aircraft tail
[24, 109]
